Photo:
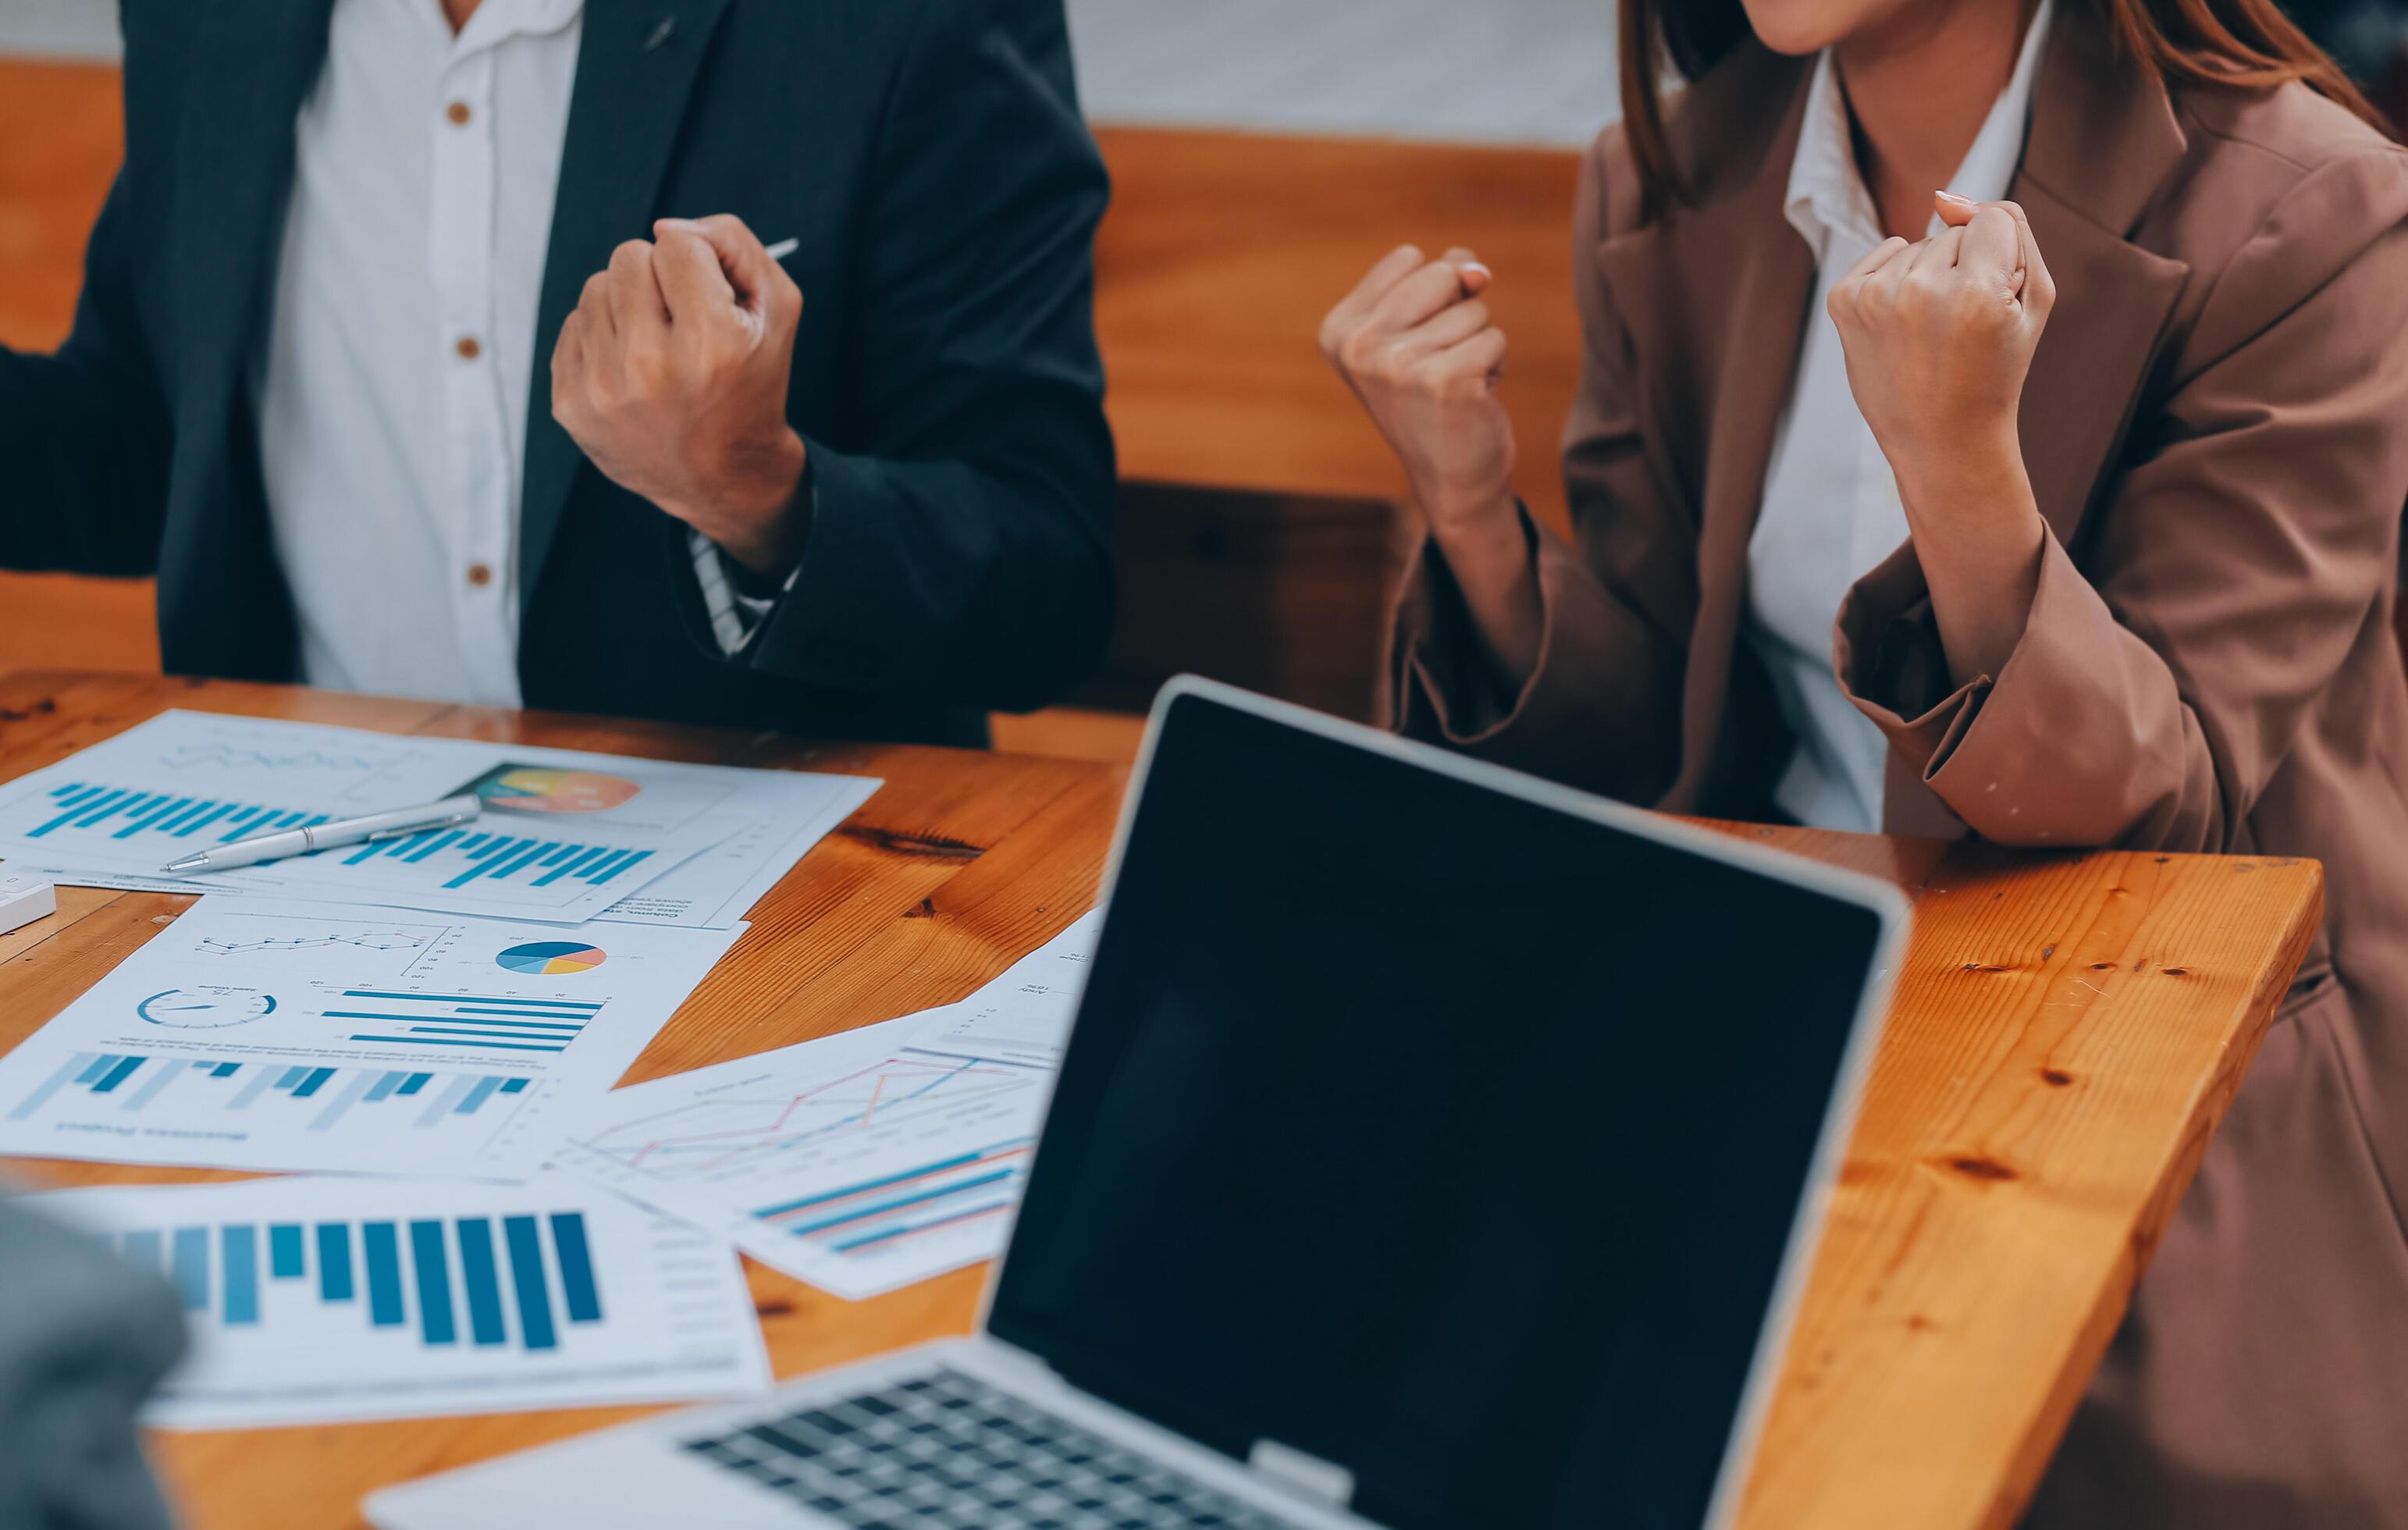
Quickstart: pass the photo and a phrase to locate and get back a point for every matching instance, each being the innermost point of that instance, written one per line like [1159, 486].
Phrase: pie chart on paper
[532, 790]
[553, 958]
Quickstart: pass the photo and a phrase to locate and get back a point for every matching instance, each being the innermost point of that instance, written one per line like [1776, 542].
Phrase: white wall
[1494, 71]
[1488, 71]
[66, 28]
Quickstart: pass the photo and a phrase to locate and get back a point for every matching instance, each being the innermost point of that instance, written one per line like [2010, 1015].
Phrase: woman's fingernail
[1954, 200]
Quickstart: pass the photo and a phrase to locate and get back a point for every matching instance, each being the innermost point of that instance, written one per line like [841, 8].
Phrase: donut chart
[552, 958]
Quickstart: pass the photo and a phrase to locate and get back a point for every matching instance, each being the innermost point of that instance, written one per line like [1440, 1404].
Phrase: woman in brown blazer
[2069, 517]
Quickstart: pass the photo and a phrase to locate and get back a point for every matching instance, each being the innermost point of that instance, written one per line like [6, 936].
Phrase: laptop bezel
[1884, 901]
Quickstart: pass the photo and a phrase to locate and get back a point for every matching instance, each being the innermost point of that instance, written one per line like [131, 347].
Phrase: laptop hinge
[1307, 1477]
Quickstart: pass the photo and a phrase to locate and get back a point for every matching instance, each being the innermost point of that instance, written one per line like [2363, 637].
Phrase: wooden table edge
[2209, 1108]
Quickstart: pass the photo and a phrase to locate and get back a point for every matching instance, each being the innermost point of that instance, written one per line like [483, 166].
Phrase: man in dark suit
[433, 347]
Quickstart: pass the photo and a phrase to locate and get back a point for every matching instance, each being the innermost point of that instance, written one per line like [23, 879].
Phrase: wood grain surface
[2067, 1031]
[1222, 253]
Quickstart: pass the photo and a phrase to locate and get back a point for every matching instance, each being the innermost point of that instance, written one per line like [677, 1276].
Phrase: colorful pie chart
[553, 958]
[532, 790]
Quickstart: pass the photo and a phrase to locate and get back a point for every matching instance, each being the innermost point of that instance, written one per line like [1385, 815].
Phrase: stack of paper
[458, 1004]
[435, 1004]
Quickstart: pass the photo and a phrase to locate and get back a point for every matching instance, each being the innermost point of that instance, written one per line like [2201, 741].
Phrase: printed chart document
[864, 1161]
[312, 1300]
[565, 837]
[258, 1034]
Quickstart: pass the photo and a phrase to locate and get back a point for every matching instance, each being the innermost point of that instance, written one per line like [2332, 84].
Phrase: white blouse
[1831, 510]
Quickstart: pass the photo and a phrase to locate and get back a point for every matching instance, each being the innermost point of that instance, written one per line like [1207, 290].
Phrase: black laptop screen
[1431, 1132]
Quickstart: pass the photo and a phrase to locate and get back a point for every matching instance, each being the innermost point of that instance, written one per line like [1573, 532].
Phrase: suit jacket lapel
[2103, 139]
[255, 62]
[636, 65]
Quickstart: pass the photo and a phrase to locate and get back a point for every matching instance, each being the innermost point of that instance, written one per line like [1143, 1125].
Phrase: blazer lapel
[255, 62]
[636, 65]
[2103, 140]
[1747, 282]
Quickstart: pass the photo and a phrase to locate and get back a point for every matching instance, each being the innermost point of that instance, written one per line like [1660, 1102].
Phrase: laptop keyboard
[945, 1452]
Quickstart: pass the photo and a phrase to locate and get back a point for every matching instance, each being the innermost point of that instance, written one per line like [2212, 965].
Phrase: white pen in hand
[399, 823]
[782, 249]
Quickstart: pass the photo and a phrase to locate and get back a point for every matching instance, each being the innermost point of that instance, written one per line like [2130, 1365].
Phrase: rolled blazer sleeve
[1602, 711]
[2247, 553]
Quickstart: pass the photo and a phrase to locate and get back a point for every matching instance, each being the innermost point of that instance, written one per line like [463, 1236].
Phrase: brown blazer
[2216, 428]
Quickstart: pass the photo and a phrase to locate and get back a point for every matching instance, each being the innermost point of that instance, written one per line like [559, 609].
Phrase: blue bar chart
[169, 824]
[318, 1297]
[142, 1084]
[888, 1210]
[417, 1273]
[563, 835]
[454, 1022]
[344, 1116]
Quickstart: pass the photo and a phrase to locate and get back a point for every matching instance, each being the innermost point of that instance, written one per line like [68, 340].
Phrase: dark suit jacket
[931, 156]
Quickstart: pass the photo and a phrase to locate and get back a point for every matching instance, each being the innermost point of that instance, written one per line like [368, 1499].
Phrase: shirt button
[480, 574]
[457, 114]
[467, 347]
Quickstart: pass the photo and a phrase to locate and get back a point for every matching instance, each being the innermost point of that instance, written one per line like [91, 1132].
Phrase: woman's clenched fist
[1940, 335]
[1416, 344]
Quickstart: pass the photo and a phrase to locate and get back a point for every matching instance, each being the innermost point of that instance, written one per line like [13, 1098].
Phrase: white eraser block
[24, 899]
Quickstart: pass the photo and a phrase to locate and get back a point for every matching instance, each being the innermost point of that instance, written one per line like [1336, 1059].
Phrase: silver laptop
[1434, 1147]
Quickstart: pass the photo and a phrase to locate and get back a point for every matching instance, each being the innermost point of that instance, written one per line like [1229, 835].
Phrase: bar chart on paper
[564, 836]
[312, 1299]
[157, 826]
[253, 1034]
[449, 1115]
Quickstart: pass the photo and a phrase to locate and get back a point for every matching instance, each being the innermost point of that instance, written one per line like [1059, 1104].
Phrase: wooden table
[2068, 1031]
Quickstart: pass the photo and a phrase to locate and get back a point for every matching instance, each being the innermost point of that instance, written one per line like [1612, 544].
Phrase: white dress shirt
[394, 389]
[1832, 510]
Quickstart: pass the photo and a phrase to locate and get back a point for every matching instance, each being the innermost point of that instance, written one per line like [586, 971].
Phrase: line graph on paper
[383, 952]
[414, 937]
[227, 756]
[860, 1162]
[881, 1107]
[885, 1174]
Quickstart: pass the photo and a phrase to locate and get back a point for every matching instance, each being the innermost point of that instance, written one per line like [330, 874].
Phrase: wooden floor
[1221, 255]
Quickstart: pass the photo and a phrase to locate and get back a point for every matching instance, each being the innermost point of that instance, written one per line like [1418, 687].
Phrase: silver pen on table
[397, 824]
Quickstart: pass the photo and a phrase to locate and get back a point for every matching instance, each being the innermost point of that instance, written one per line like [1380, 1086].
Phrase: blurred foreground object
[83, 1339]
[24, 899]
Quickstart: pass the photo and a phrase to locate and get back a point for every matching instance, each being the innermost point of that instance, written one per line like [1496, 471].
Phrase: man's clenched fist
[672, 376]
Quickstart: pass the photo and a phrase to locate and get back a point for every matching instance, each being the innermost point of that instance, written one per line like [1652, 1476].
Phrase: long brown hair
[2244, 44]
